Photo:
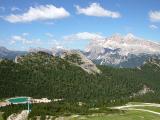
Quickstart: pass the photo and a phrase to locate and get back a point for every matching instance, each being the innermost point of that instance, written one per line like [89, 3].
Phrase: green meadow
[1, 116]
[129, 115]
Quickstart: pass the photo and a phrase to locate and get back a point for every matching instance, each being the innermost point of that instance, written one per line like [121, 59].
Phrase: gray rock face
[118, 51]
[122, 51]
[84, 62]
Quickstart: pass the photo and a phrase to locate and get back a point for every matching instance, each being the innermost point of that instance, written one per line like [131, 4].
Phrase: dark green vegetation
[65, 109]
[42, 75]
[1, 118]
[55, 109]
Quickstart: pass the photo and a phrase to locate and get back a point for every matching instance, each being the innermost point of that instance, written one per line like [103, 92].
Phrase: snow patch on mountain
[118, 49]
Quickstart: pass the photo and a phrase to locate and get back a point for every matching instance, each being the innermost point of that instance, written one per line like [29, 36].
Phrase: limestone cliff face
[80, 60]
[122, 51]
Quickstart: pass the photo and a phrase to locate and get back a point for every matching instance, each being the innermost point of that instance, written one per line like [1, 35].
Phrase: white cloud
[95, 9]
[153, 27]
[22, 39]
[83, 36]
[47, 12]
[58, 44]
[15, 9]
[154, 16]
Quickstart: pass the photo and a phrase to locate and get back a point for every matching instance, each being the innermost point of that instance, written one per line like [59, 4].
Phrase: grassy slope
[1, 116]
[130, 115]
[155, 109]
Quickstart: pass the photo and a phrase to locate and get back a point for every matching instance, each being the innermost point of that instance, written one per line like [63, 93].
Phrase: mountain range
[9, 54]
[74, 79]
[120, 51]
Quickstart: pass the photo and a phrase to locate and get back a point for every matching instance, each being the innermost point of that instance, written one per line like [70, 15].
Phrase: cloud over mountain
[25, 41]
[95, 9]
[154, 16]
[83, 36]
[153, 27]
[42, 12]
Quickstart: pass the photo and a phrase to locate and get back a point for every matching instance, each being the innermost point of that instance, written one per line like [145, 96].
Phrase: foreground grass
[129, 115]
[135, 103]
[151, 108]
[100, 114]
[1, 116]
[155, 109]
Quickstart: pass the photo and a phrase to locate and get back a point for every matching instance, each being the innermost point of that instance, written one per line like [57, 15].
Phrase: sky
[26, 24]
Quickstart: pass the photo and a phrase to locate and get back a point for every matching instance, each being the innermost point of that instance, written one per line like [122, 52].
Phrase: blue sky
[27, 24]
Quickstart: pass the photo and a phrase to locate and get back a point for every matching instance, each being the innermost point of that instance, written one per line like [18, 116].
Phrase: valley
[90, 92]
[131, 111]
[145, 111]
[79, 60]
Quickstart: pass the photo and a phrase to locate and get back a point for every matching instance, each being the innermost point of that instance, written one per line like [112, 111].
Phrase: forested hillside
[43, 75]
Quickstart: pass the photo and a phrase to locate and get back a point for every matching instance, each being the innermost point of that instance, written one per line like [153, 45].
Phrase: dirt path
[150, 111]
[138, 105]
[131, 107]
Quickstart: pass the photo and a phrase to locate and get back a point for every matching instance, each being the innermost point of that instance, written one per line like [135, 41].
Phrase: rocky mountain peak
[130, 36]
[3, 49]
[119, 49]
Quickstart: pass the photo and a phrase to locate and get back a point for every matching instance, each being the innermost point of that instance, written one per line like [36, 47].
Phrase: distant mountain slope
[73, 56]
[8, 54]
[119, 51]
[122, 51]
